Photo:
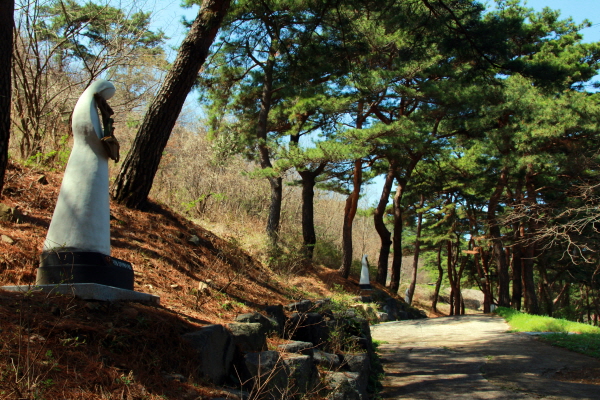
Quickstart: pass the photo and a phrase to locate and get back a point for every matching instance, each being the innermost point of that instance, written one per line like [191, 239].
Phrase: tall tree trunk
[498, 247]
[384, 234]
[397, 240]
[402, 183]
[532, 305]
[7, 8]
[546, 291]
[349, 214]
[308, 214]
[484, 276]
[438, 282]
[135, 179]
[450, 266]
[274, 218]
[275, 182]
[413, 282]
[517, 273]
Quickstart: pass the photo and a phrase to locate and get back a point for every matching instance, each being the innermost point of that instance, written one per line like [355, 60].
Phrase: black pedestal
[84, 267]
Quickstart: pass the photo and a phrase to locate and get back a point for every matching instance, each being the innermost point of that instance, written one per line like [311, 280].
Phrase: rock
[390, 307]
[203, 288]
[363, 299]
[268, 372]
[302, 374]
[350, 313]
[382, 317]
[360, 364]
[282, 377]
[214, 345]
[326, 360]
[233, 394]
[322, 302]
[7, 239]
[301, 306]
[342, 386]
[360, 342]
[195, 240]
[309, 327]
[306, 348]
[10, 214]
[276, 313]
[174, 286]
[248, 337]
[268, 324]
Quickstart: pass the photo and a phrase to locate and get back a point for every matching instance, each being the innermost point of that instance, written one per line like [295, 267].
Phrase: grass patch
[522, 322]
[587, 341]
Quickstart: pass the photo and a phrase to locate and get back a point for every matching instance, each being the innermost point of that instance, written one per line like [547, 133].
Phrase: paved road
[474, 357]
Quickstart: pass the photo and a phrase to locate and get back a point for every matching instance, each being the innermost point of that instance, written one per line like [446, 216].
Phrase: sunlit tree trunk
[349, 214]
[308, 214]
[385, 235]
[438, 282]
[135, 179]
[413, 282]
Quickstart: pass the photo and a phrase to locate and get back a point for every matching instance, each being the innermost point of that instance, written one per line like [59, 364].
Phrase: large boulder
[326, 360]
[360, 364]
[391, 308]
[301, 306]
[302, 374]
[269, 325]
[276, 313]
[248, 337]
[269, 375]
[342, 386]
[310, 327]
[306, 348]
[214, 346]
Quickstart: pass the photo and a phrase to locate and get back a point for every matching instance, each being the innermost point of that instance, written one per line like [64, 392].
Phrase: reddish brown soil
[61, 347]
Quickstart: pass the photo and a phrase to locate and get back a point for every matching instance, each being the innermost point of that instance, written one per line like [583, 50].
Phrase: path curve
[474, 357]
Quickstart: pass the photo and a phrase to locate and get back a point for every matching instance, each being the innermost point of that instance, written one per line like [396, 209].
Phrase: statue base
[57, 267]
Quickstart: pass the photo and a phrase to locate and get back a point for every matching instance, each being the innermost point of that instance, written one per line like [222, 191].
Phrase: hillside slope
[60, 347]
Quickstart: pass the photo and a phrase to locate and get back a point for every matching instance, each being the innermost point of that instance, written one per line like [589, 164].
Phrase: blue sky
[168, 13]
[579, 10]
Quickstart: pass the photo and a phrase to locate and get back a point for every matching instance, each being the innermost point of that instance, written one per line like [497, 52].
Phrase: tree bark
[438, 283]
[135, 179]
[397, 240]
[349, 214]
[497, 246]
[398, 223]
[517, 279]
[308, 214]
[531, 300]
[485, 279]
[7, 8]
[413, 282]
[384, 234]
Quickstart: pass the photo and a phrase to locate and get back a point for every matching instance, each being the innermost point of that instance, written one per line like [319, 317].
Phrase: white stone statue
[81, 219]
[365, 282]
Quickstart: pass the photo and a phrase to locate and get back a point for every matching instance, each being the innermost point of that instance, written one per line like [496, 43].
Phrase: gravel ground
[475, 357]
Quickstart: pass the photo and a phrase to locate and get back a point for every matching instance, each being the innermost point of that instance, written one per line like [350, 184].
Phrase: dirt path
[474, 357]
